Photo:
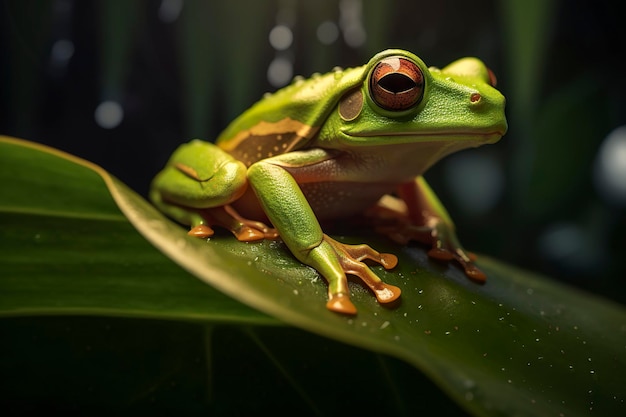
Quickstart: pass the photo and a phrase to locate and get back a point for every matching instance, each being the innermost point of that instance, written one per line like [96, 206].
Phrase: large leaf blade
[519, 344]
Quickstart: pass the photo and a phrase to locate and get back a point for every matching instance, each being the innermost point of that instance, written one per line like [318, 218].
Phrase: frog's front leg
[420, 216]
[196, 187]
[289, 211]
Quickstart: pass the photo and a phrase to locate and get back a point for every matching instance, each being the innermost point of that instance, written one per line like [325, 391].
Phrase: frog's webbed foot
[435, 232]
[446, 247]
[350, 259]
[245, 230]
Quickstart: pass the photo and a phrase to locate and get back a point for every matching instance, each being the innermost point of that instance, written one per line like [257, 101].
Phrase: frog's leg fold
[289, 211]
[196, 187]
[420, 216]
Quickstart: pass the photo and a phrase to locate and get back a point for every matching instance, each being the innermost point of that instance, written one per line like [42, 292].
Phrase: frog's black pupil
[396, 82]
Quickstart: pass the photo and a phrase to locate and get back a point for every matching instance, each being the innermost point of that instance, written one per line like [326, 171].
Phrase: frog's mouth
[469, 138]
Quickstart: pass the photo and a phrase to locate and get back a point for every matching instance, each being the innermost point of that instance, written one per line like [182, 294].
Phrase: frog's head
[401, 100]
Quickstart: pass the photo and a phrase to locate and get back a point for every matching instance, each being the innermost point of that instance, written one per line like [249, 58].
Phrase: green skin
[334, 146]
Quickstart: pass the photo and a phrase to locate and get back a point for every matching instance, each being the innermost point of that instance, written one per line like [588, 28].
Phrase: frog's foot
[444, 244]
[395, 223]
[351, 259]
[449, 249]
[245, 230]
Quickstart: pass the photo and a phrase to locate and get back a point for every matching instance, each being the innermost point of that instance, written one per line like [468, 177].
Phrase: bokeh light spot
[280, 37]
[610, 167]
[109, 114]
[280, 72]
[476, 181]
[169, 10]
[327, 32]
[62, 51]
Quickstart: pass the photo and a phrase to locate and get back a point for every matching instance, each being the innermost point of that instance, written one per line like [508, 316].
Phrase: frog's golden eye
[396, 84]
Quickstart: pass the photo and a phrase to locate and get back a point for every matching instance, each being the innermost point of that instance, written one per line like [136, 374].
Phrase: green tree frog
[334, 146]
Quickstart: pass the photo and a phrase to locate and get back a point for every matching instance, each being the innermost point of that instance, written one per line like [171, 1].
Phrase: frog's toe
[248, 234]
[474, 273]
[340, 303]
[363, 251]
[441, 254]
[201, 231]
[463, 258]
[251, 233]
[387, 293]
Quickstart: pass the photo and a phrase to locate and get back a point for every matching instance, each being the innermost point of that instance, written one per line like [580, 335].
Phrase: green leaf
[66, 248]
[518, 345]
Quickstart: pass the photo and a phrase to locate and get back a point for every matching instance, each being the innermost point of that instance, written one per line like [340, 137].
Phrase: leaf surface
[518, 345]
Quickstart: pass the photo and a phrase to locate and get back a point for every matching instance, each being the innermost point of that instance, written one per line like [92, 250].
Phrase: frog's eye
[396, 84]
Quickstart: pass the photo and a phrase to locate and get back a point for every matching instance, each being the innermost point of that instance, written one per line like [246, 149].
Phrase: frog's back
[287, 119]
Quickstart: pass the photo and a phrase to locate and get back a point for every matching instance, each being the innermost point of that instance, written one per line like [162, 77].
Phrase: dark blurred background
[123, 83]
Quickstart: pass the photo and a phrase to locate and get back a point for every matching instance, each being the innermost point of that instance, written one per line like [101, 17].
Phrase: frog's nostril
[475, 97]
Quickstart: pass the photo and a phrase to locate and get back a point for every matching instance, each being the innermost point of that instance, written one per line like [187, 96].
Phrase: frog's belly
[329, 200]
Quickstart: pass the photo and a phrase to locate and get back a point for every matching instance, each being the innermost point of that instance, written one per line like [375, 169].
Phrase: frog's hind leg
[196, 187]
